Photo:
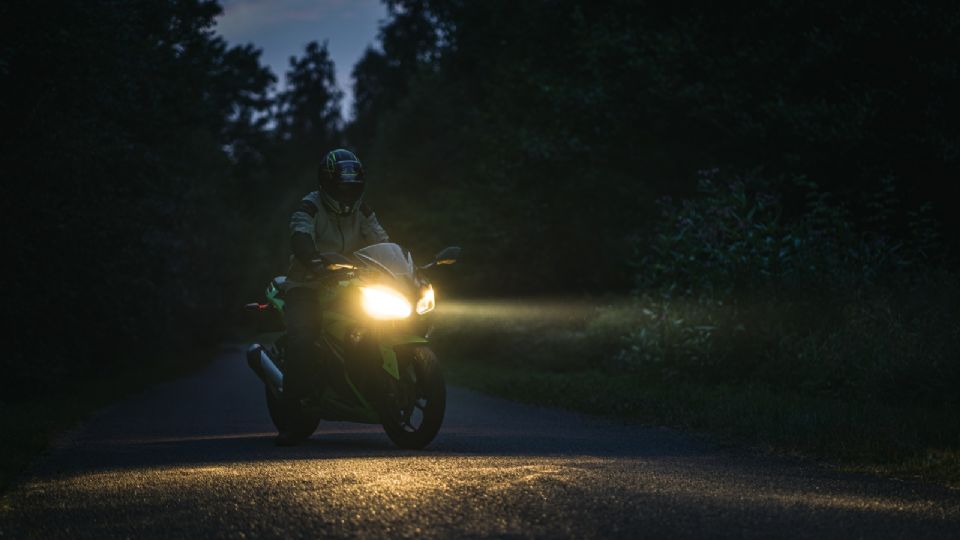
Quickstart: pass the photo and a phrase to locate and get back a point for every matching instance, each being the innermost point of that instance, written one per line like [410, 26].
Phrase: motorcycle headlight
[382, 302]
[427, 301]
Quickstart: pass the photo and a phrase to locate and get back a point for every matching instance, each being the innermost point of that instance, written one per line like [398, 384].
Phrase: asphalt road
[195, 458]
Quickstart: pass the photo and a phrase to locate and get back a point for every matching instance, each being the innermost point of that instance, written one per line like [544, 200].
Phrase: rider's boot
[302, 323]
[286, 437]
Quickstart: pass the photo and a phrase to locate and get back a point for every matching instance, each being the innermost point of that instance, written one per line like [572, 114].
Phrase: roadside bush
[897, 347]
[734, 240]
[735, 291]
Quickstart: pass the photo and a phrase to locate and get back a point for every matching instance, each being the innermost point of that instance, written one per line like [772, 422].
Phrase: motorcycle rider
[332, 219]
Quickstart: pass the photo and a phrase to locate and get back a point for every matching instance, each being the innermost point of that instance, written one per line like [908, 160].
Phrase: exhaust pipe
[261, 364]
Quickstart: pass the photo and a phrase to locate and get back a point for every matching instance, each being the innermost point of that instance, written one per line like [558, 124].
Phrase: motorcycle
[373, 349]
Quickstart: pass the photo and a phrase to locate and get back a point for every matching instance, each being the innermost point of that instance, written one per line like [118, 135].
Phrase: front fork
[388, 352]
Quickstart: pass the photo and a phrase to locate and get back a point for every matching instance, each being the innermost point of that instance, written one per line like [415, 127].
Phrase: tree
[121, 207]
[308, 118]
[411, 42]
[245, 104]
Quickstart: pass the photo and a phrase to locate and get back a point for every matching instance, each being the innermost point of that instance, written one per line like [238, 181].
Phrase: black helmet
[341, 180]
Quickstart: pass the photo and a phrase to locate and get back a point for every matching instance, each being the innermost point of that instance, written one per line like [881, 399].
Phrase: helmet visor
[347, 192]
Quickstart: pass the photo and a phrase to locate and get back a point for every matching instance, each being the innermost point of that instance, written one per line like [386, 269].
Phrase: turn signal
[427, 301]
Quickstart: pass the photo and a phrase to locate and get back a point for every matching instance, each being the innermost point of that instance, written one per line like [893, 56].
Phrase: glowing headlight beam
[427, 301]
[384, 303]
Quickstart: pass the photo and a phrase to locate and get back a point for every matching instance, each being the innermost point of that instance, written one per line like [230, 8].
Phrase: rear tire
[297, 423]
[423, 395]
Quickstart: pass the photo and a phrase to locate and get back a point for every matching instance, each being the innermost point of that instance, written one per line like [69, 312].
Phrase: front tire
[290, 419]
[413, 419]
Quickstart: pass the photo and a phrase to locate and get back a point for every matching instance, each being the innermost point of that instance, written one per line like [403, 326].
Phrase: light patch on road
[351, 494]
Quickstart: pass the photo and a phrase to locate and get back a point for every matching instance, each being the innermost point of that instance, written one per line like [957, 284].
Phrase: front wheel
[413, 418]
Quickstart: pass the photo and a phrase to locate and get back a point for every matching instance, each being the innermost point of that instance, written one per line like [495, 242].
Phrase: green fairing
[333, 408]
[390, 355]
[371, 414]
[336, 325]
[390, 361]
[272, 293]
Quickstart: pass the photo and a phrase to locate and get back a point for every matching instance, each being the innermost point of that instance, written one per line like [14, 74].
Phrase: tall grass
[818, 303]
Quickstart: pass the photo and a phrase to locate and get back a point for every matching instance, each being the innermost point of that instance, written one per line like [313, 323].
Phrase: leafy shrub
[734, 291]
[896, 347]
[734, 241]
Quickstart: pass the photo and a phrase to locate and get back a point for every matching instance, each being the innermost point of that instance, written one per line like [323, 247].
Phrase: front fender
[388, 352]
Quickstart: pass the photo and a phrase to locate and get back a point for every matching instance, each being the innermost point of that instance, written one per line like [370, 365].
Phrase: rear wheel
[290, 419]
[413, 418]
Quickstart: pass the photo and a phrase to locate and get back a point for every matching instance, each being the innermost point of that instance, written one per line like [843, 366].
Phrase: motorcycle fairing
[388, 257]
[274, 292]
[389, 353]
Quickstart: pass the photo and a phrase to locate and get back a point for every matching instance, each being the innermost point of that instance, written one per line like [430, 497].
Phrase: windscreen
[387, 256]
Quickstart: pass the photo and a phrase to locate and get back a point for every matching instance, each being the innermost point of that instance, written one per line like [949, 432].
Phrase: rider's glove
[318, 265]
[303, 248]
[305, 251]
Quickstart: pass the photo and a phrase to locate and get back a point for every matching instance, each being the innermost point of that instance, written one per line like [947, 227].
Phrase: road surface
[195, 458]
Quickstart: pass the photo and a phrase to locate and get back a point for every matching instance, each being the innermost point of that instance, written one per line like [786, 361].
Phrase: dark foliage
[139, 173]
[545, 130]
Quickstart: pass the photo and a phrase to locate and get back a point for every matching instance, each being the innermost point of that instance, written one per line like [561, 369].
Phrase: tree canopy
[142, 156]
[550, 127]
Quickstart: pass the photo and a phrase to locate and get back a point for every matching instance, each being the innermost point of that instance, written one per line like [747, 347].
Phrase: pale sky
[282, 28]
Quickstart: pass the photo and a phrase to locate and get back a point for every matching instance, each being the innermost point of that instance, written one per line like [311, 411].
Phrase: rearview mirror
[448, 255]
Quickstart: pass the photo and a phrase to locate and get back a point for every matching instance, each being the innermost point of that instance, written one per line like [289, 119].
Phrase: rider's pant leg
[302, 367]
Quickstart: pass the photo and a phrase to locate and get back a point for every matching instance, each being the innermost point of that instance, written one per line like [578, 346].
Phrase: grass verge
[555, 357]
[864, 437]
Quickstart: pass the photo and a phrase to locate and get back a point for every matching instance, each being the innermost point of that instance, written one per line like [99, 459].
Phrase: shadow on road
[351, 442]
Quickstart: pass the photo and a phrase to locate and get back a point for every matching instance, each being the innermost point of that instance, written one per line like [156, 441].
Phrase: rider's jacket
[332, 232]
